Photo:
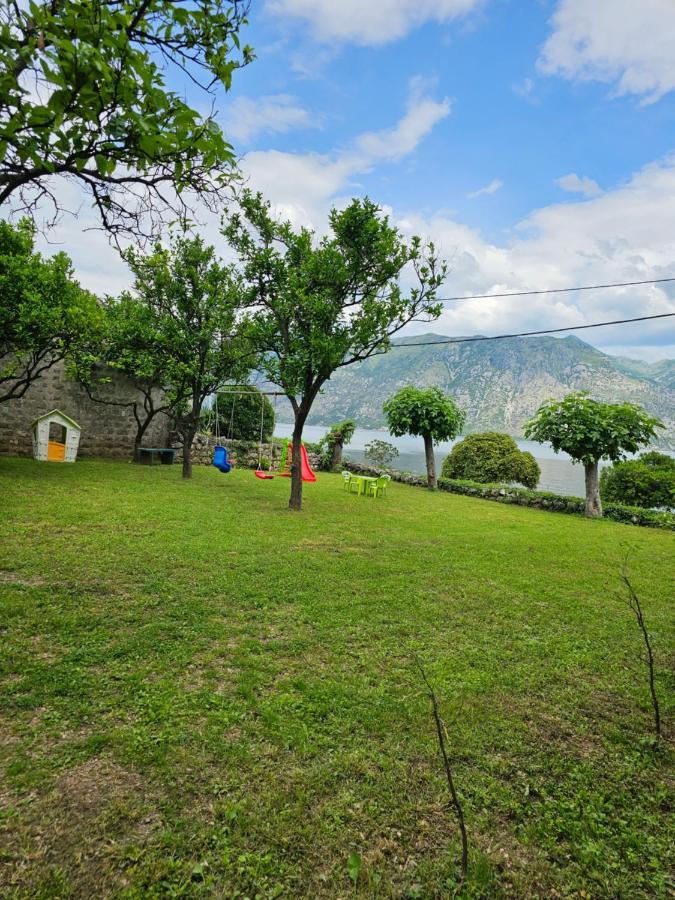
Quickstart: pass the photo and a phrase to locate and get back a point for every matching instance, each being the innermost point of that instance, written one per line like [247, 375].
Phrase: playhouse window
[57, 433]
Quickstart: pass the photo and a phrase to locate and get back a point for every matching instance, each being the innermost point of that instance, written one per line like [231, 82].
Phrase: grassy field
[204, 694]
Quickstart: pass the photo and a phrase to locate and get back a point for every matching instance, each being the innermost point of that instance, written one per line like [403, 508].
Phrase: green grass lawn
[204, 694]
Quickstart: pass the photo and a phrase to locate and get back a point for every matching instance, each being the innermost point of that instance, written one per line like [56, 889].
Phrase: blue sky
[533, 140]
[508, 122]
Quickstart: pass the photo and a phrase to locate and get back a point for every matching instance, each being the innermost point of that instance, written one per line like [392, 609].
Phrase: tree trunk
[189, 432]
[296, 463]
[142, 427]
[432, 483]
[188, 438]
[593, 504]
[336, 456]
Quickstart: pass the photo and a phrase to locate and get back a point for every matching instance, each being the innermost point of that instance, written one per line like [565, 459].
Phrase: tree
[319, 305]
[45, 316]
[136, 342]
[84, 96]
[427, 413]
[589, 430]
[239, 414]
[648, 481]
[380, 453]
[491, 457]
[195, 299]
[332, 444]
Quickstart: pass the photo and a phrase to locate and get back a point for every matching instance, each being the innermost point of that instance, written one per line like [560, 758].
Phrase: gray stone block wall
[107, 431]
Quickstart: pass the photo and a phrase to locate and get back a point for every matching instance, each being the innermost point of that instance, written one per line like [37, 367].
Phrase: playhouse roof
[52, 414]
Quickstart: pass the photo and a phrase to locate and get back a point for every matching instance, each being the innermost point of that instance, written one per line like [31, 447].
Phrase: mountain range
[500, 384]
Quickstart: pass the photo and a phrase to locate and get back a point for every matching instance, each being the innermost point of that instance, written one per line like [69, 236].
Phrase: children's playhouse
[56, 437]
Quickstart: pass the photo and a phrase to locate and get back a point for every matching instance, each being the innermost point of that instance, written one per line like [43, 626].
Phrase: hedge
[499, 493]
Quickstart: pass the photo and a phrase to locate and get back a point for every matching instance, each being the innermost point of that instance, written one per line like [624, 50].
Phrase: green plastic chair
[346, 478]
[378, 488]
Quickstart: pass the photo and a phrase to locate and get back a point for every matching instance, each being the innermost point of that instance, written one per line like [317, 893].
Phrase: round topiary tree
[491, 457]
[239, 413]
[648, 481]
[427, 413]
[589, 430]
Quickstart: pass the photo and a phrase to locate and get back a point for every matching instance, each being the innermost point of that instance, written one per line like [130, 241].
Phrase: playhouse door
[56, 447]
[56, 452]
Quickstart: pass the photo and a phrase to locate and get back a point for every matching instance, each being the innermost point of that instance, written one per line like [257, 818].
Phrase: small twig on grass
[441, 731]
[636, 606]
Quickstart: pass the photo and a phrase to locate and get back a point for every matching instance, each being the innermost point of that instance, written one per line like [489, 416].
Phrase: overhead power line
[501, 337]
[567, 290]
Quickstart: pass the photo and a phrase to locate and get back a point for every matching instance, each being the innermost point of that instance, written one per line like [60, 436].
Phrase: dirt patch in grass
[77, 836]
[20, 580]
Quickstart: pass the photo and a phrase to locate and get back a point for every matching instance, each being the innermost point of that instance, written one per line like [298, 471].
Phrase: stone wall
[107, 431]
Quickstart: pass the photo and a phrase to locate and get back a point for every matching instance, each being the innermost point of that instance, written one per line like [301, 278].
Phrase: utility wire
[568, 290]
[501, 337]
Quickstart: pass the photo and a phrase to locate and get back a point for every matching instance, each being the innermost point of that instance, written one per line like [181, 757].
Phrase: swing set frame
[259, 472]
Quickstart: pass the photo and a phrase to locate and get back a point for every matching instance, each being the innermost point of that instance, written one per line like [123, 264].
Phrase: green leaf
[354, 864]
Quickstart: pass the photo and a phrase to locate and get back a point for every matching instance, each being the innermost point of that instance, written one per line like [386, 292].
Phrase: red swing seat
[259, 473]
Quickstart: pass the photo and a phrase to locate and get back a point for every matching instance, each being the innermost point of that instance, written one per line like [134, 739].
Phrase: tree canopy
[194, 300]
[491, 457]
[316, 305]
[45, 316]
[380, 453]
[422, 411]
[134, 341]
[589, 430]
[84, 95]
[427, 413]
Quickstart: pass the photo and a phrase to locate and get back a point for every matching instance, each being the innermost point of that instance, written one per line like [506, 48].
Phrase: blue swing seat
[220, 460]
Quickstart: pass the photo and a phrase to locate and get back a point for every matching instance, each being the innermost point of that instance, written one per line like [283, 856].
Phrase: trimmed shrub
[490, 457]
[648, 481]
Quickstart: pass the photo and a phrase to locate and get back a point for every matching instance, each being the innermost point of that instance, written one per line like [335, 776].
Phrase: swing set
[224, 465]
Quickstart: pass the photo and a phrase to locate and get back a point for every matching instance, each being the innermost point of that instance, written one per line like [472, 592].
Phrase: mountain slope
[661, 373]
[499, 383]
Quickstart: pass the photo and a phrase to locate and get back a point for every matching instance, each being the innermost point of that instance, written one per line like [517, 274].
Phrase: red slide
[307, 473]
[305, 468]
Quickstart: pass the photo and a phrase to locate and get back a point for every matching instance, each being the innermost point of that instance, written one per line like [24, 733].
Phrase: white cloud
[623, 235]
[627, 43]
[370, 22]
[423, 112]
[491, 188]
[245, 118]
[574, 184]
[525, 89]
[304, 185]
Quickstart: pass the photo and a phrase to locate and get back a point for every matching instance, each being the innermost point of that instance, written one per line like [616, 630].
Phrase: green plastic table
[362, 481]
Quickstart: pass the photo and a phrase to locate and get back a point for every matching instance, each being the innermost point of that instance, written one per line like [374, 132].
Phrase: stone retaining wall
[242, 454]
[107, 431]
[499, 493]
